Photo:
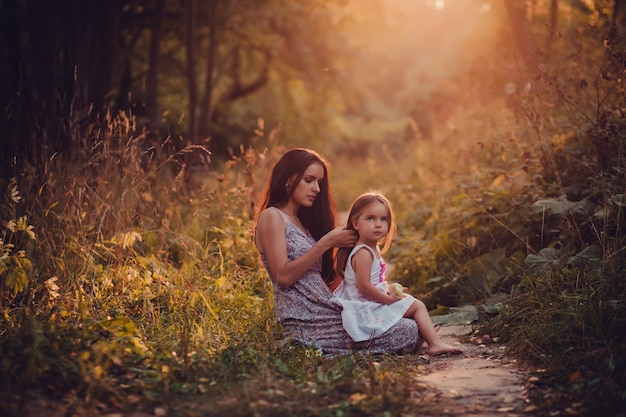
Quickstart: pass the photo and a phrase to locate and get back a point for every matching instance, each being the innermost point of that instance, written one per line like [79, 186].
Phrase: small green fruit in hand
[397, 288]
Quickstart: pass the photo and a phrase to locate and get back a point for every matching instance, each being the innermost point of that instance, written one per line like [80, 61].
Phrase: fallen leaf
[576, 377]
[261, 404]
[357, 397]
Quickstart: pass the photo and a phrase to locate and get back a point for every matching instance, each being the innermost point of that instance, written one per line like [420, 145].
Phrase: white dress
[363, 318]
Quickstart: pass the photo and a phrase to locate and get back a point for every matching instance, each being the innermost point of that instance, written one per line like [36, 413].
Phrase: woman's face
[309, 185]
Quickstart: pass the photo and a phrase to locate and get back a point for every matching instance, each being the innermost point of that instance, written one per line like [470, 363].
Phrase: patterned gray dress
[311, 315]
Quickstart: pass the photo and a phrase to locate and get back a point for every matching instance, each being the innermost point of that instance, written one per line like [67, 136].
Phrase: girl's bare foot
[442, 348]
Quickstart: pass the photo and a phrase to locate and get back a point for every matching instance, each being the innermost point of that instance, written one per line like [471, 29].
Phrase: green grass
[133, 301]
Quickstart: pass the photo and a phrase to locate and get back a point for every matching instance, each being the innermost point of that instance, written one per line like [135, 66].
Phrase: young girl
[369, 308]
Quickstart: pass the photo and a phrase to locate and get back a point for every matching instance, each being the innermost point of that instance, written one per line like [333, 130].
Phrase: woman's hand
[341, 237]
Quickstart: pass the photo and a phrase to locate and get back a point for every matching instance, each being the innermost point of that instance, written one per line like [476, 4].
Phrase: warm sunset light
[416, 46]
[312, 208]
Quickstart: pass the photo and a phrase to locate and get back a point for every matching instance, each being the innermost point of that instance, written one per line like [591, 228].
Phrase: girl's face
[372, 224]
[309, 186]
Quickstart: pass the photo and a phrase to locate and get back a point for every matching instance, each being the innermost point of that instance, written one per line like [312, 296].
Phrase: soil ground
[482, 382]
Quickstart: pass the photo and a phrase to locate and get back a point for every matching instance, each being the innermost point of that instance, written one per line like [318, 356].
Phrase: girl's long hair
[358, 207]
[318, 219]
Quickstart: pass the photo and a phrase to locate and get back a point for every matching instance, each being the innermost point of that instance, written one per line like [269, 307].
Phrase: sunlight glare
[440, 4]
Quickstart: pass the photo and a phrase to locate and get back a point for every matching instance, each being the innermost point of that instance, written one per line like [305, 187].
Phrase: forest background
[137, 136]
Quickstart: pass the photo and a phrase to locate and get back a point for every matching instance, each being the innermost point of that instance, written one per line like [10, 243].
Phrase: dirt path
[480, 383]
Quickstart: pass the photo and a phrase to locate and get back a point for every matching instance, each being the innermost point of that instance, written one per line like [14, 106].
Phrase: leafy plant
[16, 245]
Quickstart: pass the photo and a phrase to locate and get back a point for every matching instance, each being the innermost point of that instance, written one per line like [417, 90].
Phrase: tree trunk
[516, 11]
[10, 141]
[554, 11]
[617, 33]
[239, 90]
[94, 29]
[207, 110]
[152, 93]
[192, 82]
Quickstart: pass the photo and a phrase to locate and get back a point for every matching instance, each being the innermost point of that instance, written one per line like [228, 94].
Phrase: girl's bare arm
[362, 264]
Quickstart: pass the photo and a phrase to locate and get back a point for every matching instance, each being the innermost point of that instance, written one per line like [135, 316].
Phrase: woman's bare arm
[271, 241]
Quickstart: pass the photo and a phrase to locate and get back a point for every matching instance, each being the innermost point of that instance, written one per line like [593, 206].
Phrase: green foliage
[535, 211]
[16, 245]
[136, 289]
[569, 319]
[147, 298]
[38, 354]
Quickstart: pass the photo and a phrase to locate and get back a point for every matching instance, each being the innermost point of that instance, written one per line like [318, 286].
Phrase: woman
[295, 236]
